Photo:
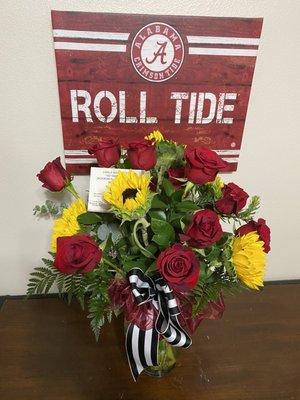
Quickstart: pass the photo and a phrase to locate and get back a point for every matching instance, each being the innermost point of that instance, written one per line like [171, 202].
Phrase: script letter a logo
[161, 52]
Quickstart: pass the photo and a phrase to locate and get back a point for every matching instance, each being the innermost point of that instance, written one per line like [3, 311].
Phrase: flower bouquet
[160, 253]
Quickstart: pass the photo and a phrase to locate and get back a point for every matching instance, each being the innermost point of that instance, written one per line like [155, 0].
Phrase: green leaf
[152, 270]
[186, 206]
[88, 218]
[168, 154]
[158, 214]
[226, 238]
[105, 230]
[177, 195]
[212, 253]
[157, 203]
[201, 252]
[50, 208]
[135, 262]
[164, 232]
[168, 187]
[152, 248]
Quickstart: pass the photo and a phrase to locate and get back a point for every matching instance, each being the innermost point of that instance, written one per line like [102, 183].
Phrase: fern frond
[47, 262]
[205, 292]
[97, 314]
[43, 278]
[250, 211]
[99, 311]
[41, 281]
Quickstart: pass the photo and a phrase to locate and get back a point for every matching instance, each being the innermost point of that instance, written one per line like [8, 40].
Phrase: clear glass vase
[167, 356]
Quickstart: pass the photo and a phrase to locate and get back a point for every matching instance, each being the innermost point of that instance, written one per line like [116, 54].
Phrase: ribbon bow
[142, 345]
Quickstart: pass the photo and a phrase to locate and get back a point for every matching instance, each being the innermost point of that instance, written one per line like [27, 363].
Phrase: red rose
[142, 154]
[54, 177]
[261, 228]
[179, 266]
[204, 230]
[174, 173]
[107, 152]
[78, 253]
[233, 199]
[202, 165]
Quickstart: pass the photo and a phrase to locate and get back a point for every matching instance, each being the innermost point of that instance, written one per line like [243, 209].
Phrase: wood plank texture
[48, 352]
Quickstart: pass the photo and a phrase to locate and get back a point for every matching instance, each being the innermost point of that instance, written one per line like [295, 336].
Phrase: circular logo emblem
[157, 52]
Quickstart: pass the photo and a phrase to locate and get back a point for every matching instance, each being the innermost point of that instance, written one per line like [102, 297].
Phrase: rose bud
[262, 230]
[107, 152]
[233, 199]
[204, 230]
[141, 154]
[179, 266]
[174, 173]
[78, 253]
[54, 177]
[202, 165]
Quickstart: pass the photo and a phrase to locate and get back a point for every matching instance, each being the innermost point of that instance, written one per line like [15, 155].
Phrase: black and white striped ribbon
[142, 345]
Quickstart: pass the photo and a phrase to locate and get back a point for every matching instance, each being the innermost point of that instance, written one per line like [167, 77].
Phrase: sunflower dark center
[129, 194]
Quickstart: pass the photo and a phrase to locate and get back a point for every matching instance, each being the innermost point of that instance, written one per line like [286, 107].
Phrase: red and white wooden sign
[124, 75]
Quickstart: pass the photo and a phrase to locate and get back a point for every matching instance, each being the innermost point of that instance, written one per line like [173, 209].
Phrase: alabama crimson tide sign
[157, 52]
[125, 75]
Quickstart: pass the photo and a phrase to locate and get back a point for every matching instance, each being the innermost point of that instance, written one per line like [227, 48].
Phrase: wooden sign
[125, 75]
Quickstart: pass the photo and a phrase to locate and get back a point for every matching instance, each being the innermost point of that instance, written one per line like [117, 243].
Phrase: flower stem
[113, 266]
[70, 188]
[145, 224]
[188, 187]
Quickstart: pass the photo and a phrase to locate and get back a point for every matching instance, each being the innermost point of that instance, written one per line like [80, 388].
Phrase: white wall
[31, 130]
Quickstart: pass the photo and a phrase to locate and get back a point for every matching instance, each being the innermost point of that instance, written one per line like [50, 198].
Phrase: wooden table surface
[47, 351]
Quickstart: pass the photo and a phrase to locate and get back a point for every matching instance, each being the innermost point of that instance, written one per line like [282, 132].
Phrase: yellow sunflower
[248, 258]
[66, 224]
[156, 136]
[129, 195]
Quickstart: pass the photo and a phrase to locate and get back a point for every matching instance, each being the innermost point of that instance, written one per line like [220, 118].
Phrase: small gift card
[99, 180]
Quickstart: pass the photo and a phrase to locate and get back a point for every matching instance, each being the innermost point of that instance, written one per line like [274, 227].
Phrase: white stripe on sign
[214, 51]
[86, 153]
[81, 161]
[228, 152]
[65, 33]
[223, 40]
[119, 48]
[76, 153]
[231, 160]
[94, 160]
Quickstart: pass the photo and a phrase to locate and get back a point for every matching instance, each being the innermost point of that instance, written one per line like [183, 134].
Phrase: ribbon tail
[141, 349]
[176, 335]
